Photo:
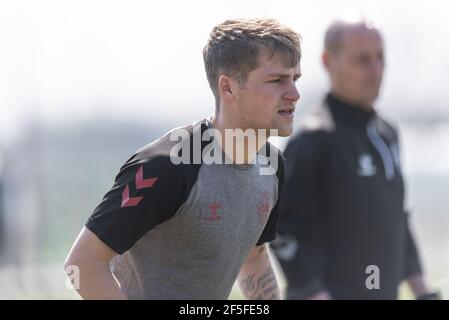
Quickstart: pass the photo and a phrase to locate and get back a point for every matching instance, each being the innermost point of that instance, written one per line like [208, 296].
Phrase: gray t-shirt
[183, 231]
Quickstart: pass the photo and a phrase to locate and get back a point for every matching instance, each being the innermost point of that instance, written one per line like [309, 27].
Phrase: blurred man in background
[344, 231]
[189, 230]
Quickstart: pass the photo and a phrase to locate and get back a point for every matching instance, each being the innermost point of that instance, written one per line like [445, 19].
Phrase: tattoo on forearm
[263, 287]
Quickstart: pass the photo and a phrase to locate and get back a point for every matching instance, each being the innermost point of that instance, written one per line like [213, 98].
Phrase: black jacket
[342, 207]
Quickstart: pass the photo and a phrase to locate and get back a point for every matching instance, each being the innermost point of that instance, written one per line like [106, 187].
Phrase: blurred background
[84, 84]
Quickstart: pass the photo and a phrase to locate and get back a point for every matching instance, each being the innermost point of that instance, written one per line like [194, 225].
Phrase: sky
[65, 60]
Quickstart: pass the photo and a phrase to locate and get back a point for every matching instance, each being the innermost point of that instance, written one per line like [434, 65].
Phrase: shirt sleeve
[269, 232]
[412, 264]
[300, 247]
[146, 193]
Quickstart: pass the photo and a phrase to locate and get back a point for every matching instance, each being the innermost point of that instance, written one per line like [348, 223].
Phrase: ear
[225, 87]
[325, 58]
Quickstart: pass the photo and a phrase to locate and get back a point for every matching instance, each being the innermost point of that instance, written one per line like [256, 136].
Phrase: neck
[239, 143]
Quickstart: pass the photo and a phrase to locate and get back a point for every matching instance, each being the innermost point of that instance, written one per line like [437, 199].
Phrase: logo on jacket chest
[366, 166]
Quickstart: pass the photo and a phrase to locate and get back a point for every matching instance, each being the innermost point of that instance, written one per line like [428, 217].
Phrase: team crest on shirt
[263, 208]
[366, 165]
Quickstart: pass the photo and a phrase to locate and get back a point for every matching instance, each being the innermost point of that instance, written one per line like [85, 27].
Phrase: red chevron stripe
[142, 183]
[127, 201]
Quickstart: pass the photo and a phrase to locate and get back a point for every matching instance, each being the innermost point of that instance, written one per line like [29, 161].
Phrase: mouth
[288, 112]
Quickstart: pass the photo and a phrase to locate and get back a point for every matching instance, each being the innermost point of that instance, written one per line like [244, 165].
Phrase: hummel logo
[366, 165]
[213, 207]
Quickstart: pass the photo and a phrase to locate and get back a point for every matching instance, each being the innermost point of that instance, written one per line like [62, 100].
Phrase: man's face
[268, 98]
[356, 69]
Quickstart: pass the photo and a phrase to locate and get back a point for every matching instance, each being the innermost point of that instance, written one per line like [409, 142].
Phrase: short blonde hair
[234, 46]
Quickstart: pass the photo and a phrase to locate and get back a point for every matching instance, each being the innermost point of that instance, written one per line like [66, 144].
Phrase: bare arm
[256, 278]
[92, 257]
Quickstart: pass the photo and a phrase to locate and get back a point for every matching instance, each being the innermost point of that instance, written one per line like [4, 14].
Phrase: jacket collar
[348, 111]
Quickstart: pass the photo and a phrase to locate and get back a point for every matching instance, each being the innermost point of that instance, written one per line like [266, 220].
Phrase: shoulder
[315, 128]
[317, 118]
[313, 138]
[163, 156]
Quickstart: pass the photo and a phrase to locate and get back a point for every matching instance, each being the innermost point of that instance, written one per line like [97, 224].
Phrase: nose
[292, 93]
